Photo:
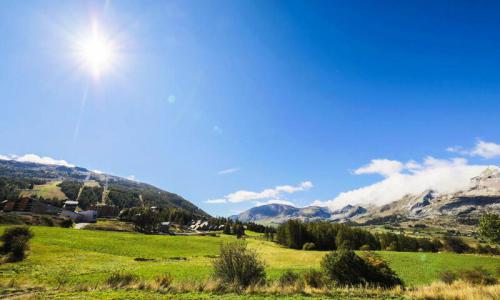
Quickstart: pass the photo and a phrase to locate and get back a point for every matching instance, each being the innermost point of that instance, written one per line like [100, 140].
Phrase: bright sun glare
[96, 52]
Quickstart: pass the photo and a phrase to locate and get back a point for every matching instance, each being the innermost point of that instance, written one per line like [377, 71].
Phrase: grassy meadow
[62, 256]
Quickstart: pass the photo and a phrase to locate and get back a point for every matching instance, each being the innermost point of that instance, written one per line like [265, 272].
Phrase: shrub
[238, 265]
[164, 281]
[308, 246]
[15, 242]
[478, 275]
[66, 223]
[313, 278]
[47, 221]
[288, 278]
[344, 267]
[447, 277]
[455, 244]
[117, 279]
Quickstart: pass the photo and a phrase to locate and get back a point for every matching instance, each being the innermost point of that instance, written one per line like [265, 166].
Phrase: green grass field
[49, 190]
[70, 256]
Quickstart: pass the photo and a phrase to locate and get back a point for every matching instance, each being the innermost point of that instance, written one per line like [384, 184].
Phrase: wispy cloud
[482, 149]
[216, 201]
[33, 158]
[228, 171]
[384, 167]
[271, 193]
[275, 201]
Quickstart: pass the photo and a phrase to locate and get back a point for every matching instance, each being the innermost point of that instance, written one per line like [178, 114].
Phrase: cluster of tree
[324, 235]
[90, 195]
[10, 188]
[147, 220]
[124, 197]
[235, 228]
[327, 236]
[70, 188]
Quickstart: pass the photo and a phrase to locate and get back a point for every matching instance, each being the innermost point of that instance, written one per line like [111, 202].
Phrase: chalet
[29, 205]
[165, 227]
[70, 205]
[106, 210]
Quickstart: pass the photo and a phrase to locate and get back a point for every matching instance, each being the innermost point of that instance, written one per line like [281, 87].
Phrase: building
[165, 227]
[29, 205]
[70, 205]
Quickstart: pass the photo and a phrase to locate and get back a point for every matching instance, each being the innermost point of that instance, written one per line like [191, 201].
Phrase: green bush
[308, 246]
[344, 267]
[478, 275]
[455, 244]
[489, 227]
[313, 278]
[164, 281]
[288, 278]
[66, 223]
[47, 221]
[239, 266]
[15, 242]
[448, 277]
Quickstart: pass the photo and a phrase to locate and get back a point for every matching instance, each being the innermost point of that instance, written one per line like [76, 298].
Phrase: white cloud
[33, 158]
[216, 201]
[482, 149]
[486, 150]
[384, 167]
[271, 193]
[443, 176]
[228, 171]
[275, 201]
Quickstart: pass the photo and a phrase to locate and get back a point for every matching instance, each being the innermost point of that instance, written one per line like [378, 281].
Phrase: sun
[96, 52]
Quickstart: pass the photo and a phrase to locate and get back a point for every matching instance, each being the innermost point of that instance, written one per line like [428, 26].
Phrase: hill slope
[33, 177]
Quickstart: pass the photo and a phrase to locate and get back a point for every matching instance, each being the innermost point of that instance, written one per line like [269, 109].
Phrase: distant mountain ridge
[463, 207]
[119, 191]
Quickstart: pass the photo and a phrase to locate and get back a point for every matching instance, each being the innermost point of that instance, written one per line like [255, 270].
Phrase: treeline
[235, 227]
[10, 188]
[147, 220]
[327, 236]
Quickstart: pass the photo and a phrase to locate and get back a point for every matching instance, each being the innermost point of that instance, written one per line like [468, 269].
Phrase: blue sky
[283, 99]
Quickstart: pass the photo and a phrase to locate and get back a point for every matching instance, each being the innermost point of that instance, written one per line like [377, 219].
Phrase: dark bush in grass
[15, 242]
[313, 278]
[164, 281]
[344, 267]
[118, 279]
[239, 266]
[448, 277]
[47, 221]
[288, 278]
[66, 223]
[478, 275]
[455, 244]
[308, 246]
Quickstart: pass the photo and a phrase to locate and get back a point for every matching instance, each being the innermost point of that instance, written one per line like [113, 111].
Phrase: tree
[489, 227]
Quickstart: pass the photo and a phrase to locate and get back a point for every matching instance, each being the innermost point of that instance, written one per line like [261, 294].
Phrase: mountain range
[441, 209]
